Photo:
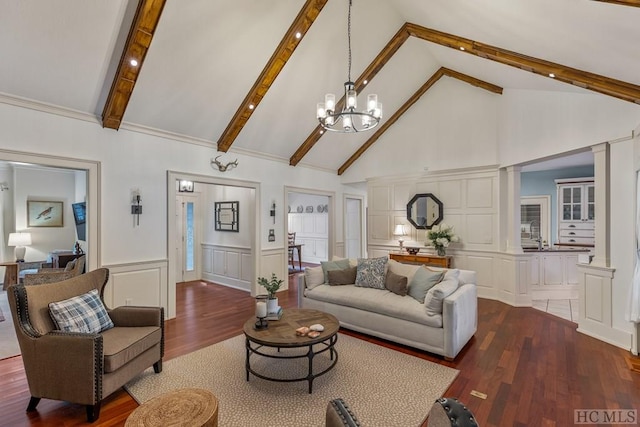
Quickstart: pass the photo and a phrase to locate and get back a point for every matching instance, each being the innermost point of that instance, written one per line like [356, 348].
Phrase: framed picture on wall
[226, 218]
[45, 214]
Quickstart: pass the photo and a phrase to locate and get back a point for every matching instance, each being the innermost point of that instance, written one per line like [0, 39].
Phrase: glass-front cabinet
[576, 211]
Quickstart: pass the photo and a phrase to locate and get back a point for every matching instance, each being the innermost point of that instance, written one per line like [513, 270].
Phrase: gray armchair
[76, 367]
[50, 275]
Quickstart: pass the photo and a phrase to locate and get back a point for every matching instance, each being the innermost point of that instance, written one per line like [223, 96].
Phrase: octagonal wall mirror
[424, 211]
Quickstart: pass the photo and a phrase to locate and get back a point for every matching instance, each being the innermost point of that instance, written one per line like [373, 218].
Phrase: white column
[602, 250]
[514, 244]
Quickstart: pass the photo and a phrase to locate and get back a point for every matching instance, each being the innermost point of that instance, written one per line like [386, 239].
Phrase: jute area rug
[382, 386]
[8, 342]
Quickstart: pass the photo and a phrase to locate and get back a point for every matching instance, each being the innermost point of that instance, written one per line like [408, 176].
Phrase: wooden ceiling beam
[442, 71]
[595, 82]
[138, 41]
[635, 3]
[367, 75]
[276, 63]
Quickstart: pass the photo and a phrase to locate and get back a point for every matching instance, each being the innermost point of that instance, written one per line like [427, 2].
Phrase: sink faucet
[539, 240]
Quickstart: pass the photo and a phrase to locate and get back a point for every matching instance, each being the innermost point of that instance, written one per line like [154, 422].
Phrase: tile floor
[564, 308]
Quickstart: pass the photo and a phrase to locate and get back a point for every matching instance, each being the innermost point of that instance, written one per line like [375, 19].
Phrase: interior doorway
[354, 227]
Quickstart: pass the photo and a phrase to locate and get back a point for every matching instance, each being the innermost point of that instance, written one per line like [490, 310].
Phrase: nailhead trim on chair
[458, 413]
[341, 407]
[22, 310]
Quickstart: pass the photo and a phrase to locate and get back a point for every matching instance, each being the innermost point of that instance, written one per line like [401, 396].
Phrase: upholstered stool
[449, 412]
[184, 407]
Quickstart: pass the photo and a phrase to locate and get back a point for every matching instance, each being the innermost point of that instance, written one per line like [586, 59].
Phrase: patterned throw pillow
[422, 281]
[370, 273]
[85, 313]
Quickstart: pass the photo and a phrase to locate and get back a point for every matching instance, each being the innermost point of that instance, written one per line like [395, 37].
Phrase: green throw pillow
[422, 281]
[333, 265]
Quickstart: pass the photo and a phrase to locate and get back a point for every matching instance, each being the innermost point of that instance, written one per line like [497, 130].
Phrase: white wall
[36, 184]
[246, 202]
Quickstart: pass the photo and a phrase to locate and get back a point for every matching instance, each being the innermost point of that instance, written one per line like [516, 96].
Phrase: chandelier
[349, 120]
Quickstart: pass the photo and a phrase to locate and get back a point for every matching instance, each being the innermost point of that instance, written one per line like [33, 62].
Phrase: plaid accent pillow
[84, 313]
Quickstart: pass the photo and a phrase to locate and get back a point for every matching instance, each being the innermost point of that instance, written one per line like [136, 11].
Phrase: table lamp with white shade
[400, 232]
[19, 240]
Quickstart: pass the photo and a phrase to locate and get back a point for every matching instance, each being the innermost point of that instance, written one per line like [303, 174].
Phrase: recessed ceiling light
[461, 47]
[251, 106]
[134, 63]
[552, 75]
[321, 131]
[365, 82]
[298, 35]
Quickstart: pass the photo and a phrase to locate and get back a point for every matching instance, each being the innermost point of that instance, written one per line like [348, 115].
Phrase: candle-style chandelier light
[349, 120]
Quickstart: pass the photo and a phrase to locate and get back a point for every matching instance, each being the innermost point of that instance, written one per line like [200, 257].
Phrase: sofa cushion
[371, 272]
[407, 270]
[435, 296]
[422, 281]
[353, 262]
[342, 277]
[313, 276]
[123, 344]
[375, 300]
[396, 283]
[333, 265]
[83, 313]
[70, 265]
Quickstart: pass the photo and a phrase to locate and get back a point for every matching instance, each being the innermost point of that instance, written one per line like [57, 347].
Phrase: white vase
[272, 305]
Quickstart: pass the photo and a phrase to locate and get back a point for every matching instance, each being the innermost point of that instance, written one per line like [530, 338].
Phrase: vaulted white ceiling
[206, 55]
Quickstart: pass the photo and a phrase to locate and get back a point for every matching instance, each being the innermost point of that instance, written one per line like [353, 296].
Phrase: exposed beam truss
[139, 39]
[414, 98]
[278, 60]
[597, 83]
[635, 3]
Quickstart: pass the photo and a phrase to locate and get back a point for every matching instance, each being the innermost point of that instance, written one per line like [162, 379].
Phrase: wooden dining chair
[291, 240]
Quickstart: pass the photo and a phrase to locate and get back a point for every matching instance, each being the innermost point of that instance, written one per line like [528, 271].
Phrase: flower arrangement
[440, 236]
[271, 286]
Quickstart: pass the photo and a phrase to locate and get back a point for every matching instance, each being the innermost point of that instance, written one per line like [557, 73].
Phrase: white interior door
[187, 238]
[353, 228]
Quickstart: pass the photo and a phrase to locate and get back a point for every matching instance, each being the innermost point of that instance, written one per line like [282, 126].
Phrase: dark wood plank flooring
[534, 368]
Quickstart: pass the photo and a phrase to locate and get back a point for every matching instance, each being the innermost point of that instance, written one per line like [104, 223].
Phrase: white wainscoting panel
[480, 193]
[232, 265]
[273, 261]
[140, 283]
[596, 309]
[450, 193]
[479, 229]
[380, 198]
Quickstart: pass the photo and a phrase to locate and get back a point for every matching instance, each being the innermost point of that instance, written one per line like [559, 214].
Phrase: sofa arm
[58, 365]
[137, 316]
[339, 415]
[459, 318]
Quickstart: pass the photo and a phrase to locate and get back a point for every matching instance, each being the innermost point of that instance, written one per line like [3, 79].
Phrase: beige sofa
[401, 319]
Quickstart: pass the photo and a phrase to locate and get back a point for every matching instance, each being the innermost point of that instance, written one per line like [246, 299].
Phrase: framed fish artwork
[45, 214]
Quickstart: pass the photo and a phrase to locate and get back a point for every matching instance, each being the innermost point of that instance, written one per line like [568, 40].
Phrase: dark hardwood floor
[534, 368]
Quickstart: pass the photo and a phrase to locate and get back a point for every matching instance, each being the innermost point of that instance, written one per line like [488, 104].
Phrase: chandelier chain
[349, 38]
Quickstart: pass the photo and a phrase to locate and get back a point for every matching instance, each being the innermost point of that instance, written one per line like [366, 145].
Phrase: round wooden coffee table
[281, 334]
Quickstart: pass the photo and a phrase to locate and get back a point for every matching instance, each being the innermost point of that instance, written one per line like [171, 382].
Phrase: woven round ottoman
[184, 407]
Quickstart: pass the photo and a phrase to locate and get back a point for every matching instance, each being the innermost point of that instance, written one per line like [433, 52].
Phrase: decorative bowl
[413, 251]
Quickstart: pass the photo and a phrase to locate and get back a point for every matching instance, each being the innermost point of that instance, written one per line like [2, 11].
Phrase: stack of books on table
[276, 315]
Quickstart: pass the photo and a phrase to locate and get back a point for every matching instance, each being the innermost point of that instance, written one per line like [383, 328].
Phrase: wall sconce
[272, 212]
[400, 233]
[4, 186]
[136, 207]
[185, 186]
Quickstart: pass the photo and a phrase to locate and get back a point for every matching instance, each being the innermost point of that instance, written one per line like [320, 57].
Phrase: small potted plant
[272, 287]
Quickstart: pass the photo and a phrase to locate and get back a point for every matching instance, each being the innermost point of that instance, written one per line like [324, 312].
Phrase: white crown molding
[44, 107]
[491, 169]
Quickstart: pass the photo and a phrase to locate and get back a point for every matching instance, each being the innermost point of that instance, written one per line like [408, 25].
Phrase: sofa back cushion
[407, 270]
[371, 272]
[422, 281]
[435, 296]
[313, 276]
